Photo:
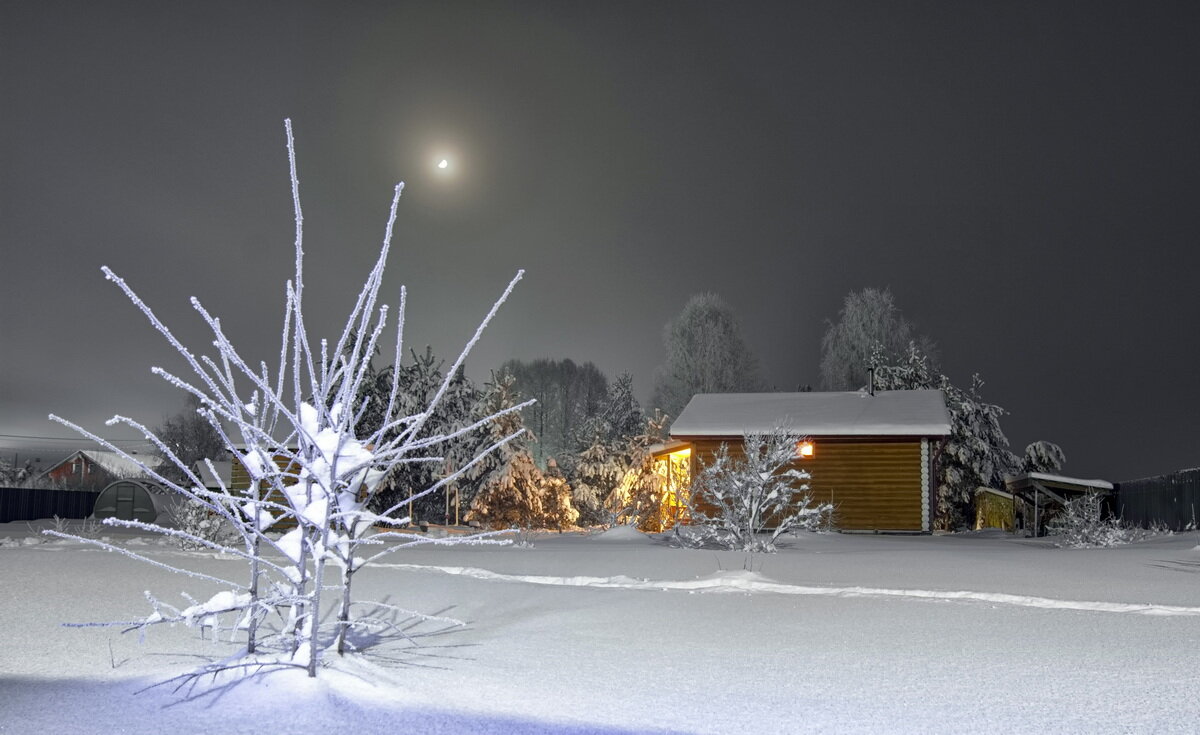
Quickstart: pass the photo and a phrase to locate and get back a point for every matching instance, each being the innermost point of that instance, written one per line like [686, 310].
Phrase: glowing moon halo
[443, 163]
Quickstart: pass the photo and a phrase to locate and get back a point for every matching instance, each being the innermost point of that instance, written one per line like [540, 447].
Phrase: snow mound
[622, 534]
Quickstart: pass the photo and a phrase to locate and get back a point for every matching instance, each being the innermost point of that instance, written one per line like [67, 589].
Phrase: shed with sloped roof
[872, 455]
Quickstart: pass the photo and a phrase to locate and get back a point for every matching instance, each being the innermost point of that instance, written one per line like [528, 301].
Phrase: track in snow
[752, 582]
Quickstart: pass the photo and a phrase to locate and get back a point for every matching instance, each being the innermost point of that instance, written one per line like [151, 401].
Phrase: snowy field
[617, 633]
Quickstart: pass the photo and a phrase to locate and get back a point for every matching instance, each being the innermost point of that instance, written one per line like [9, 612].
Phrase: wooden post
[1037, 531]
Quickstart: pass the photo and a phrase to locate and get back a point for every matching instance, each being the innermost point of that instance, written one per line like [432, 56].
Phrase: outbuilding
[131, 500]
[872, 455]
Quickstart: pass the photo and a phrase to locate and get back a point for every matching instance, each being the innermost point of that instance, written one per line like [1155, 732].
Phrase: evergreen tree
[417, 384]
[638, 497]
[976, 453]
[619, 418]
[558, 509]
[598, 473]
[1043, 456]
[500, 395]
[460, 408]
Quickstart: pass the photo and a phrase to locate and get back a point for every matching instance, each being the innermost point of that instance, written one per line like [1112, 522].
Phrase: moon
[443, 163]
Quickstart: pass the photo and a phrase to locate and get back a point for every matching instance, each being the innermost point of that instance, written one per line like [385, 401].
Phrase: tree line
[584, 433]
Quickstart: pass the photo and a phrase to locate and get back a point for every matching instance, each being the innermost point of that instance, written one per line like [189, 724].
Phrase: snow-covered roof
[851, 413]
[113, 463]
[1059, 480]
[120, 466]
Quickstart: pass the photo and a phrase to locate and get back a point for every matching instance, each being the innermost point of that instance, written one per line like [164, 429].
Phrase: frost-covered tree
[619, 419]
[639, 497]
[869, 322]
[566, 396]
[1043, 456]
[199, 524]
[513, 491]
[976, 453]
[558, 507]
[598, 473]
[520, 495]
[418, 381]
[498, 399]
[461, 404]
[511, 497]
[1081, 525]
[705, 354]
[190, 437]
[606, 452]
[745, 499]
[294, 428]
[8, 474]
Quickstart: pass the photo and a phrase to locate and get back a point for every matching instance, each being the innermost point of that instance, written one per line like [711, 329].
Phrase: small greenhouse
[131, 500]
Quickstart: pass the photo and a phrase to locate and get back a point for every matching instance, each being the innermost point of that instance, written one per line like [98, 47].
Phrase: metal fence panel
[1172, 500]
[31, 504]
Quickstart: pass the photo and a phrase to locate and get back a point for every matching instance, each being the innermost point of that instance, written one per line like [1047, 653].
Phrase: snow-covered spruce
[515, 493]
[638, 498]
[314, 469]
[977, 453]
[746, 499]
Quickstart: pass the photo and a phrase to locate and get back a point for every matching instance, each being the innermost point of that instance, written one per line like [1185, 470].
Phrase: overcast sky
[1024, 177]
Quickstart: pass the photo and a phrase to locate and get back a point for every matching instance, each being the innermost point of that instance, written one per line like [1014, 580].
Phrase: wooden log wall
[875, 484]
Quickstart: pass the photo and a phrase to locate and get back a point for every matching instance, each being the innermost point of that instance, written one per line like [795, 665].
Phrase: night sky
[1025, 178]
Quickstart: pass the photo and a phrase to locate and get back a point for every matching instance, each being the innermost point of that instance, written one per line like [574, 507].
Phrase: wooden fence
[29, 504]
[1172, 500]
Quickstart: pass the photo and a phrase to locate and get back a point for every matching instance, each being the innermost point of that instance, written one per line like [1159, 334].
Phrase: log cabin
[872, 455]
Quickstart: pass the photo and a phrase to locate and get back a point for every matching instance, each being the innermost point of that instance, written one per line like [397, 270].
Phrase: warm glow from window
[804, 449]
[675, 471]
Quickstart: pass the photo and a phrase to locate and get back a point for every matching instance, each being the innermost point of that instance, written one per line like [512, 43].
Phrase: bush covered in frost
[1082, 525]
[198, 524]
[746, 500]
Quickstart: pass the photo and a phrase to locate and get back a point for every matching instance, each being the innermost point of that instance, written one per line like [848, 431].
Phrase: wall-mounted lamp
[804, 449]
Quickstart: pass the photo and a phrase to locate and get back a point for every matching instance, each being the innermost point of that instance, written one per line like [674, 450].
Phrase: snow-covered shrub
[1081, 525]
[199, 524]
[746, 499]
[296, 430]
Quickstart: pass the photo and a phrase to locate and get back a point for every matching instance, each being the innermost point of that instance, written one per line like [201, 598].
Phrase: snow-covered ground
[618, 633]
